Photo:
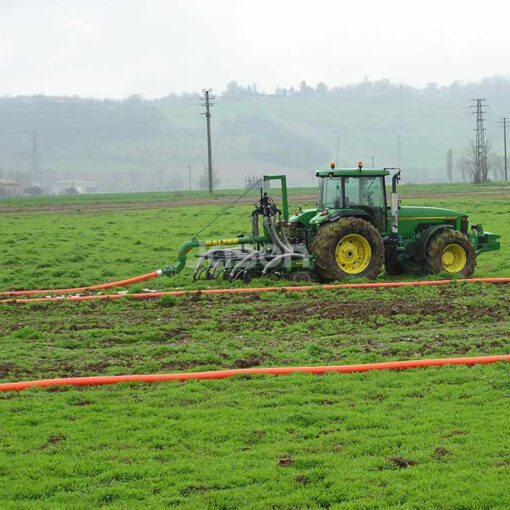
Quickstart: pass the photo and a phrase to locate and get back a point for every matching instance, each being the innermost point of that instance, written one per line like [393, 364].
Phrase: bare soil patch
[303, 198]
[402, 463]
[441, 310]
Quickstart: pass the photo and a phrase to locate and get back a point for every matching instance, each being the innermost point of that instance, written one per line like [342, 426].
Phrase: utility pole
[481, 166]
[208, 105]
[399, 151]
[189, 175]
[36, 181]
[373, 161]
[504, 123]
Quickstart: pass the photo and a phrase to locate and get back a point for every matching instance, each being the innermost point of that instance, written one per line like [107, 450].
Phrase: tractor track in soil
[197, 308]
[136, 206]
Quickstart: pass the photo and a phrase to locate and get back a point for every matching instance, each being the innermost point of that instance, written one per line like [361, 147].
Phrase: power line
[106, 109]
[96, 126]
[147, 95]
[76, 128]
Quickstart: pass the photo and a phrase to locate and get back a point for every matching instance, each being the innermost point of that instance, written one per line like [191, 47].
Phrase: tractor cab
[352, 192]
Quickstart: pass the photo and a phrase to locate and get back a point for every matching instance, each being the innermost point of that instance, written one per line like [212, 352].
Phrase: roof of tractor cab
[351, 172]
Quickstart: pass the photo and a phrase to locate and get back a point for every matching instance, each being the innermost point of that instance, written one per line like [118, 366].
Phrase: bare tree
[478, 162]
[475, 170]
[486, 165]
[497, 165]
[464, 165]
[203, 181]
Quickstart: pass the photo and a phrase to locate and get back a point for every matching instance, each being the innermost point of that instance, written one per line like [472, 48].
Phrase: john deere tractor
[351, 233]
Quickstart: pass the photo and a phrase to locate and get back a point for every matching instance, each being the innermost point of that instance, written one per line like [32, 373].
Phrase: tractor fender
[418, 249]
[352, 213]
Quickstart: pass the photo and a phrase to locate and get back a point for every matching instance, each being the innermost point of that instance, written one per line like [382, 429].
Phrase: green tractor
[352, 233]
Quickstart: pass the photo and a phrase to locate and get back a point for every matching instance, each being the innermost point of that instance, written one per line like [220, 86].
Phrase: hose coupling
[169, 271]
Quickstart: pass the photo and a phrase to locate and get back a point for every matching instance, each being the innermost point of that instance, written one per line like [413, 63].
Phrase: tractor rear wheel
[348, 248]
[452, 252]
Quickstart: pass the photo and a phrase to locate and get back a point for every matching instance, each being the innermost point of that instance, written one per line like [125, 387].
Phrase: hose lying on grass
[144, 295]
[120, 283]
[222, 374]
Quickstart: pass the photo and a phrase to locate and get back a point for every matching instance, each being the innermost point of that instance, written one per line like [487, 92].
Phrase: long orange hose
[120, 283]
[144, 295]
[222, 374]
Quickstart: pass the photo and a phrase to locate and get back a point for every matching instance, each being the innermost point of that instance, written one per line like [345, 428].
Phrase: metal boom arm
[283, 185]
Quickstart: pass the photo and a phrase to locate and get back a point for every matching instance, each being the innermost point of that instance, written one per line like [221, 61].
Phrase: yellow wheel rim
[353, 254]
[454, 258]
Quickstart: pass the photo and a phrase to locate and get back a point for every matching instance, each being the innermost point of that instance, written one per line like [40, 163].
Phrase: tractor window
[367, 191]
[358, 191]
[330, 194]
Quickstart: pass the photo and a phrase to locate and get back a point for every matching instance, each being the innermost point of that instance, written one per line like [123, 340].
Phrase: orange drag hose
[222, 374]
[120, 283]
[242, 290]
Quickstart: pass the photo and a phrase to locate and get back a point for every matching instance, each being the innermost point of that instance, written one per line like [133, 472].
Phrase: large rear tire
[452, 252]
[348, 248]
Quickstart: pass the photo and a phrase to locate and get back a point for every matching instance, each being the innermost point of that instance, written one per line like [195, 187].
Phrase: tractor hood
[418, 213]
[310, 217]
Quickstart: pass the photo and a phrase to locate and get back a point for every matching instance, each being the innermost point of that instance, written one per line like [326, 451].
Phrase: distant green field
[425, 438]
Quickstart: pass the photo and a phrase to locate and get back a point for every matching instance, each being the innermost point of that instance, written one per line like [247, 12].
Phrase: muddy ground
[295, 198]
[112, 337]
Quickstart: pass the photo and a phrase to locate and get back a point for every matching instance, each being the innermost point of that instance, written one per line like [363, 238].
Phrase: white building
[74, 186]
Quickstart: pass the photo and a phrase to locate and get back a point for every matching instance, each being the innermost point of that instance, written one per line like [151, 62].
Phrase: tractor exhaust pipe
[394, 204]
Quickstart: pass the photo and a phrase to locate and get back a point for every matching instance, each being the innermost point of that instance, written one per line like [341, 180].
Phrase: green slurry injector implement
[351, 233]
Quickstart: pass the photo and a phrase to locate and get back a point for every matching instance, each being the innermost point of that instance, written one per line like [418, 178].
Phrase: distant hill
[142, 144]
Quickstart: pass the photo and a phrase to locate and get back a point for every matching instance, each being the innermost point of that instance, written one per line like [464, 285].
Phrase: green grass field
[424, 438]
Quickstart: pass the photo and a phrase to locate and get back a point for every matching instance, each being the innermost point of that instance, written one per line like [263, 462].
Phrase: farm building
[74, 187]
[10, 187]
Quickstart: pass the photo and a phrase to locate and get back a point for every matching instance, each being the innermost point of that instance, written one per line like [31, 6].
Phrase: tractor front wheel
[348, 248]
[452, 252]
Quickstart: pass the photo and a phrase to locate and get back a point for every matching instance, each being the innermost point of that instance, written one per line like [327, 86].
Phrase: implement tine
[201, 271]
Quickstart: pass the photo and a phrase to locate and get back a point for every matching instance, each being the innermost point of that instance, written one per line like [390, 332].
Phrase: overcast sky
[116, 48]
